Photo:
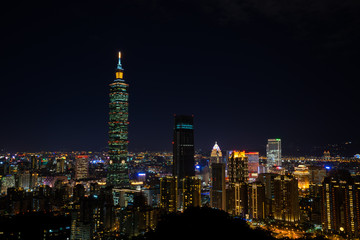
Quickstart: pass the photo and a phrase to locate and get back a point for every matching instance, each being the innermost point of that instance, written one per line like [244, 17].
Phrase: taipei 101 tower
[118, 174]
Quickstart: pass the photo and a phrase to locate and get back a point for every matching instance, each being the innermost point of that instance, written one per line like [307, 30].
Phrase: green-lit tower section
[118, 174]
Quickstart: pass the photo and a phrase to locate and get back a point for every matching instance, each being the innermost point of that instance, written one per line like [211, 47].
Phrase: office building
[253, 165]
[35, 162]
[169, 194]
[24, 180]
[183, 147]
[268, 180]
[217, 179]
[218, 191]
[81, 167]
[216, 154]
[60, 165]
[237, 165]
[238, 175]
[257, 201]
[7, 181]
[118, 173]
[191, 192]
[273, 152]
[241, 206]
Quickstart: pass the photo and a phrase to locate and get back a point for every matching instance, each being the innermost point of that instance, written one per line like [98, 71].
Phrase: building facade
[237, 166]
[169, 194]
[273, 152]
[81, 167]
[340, 204]
[286, 199]
[257, 201]
[183, 147]
[191, 192]
[218, 191]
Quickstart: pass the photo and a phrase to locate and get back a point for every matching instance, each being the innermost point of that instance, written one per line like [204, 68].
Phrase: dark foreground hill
[204, 223]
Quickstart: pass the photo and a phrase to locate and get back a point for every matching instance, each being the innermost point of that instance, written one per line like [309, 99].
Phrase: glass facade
[118, 175]
[183, 147]
[273, 152]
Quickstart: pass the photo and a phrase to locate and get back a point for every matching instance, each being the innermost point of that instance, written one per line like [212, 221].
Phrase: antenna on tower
[119, 66]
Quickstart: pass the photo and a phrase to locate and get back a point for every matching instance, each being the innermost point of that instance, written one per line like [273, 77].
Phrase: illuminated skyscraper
[118, 174]
[183, 147]
[216, 154]
[238, 180]
[217, 167]
[273, 152]
[238, 167]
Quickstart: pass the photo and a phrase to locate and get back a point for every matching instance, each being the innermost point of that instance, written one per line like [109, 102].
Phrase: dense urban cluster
[303, 197]
[121, 195]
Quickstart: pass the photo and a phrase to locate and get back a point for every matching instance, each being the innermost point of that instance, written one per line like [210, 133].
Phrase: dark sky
[248, 70]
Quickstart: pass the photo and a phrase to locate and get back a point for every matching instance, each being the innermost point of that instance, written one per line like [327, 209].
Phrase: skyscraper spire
[119, 66]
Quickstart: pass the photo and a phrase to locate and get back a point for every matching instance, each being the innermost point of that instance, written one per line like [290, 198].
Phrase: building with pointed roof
[118, 175]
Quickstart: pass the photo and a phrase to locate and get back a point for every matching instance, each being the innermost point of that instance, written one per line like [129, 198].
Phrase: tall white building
[216, 155]
[273, 153]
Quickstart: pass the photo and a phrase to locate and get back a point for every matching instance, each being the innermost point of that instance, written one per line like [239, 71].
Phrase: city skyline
[263, 73]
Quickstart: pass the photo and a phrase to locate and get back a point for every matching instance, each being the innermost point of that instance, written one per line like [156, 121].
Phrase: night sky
[248, 70]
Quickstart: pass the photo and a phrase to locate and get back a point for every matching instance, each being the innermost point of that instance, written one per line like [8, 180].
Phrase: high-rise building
[82, 167]
[286, 199]
[241, 206]
[273, 152]
[118, 173]
[7, 181]
[60, 165]
[24, 180]
[340, 204]
[268, 180]
[217, 175]
[302, 174]
[183, 147]
[191, 192]
[253, 165]
[169, 193]
[216, 154]
[218, 191]
[257, 201]
[34, 162]
[237, 165]
[315, 203]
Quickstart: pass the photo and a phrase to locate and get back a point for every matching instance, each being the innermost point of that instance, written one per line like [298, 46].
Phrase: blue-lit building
[118, 173]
